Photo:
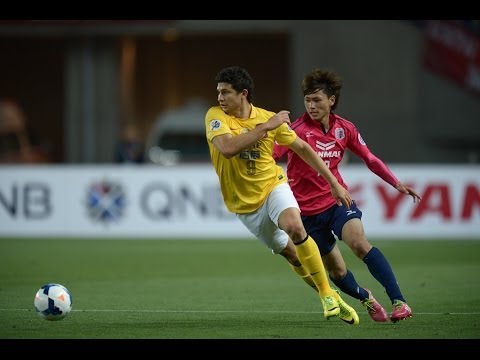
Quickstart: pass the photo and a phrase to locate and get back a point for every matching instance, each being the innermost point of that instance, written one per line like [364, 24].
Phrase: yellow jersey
[248, 178]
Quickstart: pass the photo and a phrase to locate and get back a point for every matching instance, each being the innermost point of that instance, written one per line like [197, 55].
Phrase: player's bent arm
[230, 146]
[302, 149]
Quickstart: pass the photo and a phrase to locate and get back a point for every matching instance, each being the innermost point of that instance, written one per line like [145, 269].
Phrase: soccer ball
[53, 302]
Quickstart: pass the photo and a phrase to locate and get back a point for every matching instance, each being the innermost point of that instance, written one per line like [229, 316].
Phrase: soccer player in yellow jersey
[241, 139]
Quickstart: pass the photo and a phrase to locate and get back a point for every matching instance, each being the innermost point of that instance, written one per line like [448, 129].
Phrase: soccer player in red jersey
[330, 135]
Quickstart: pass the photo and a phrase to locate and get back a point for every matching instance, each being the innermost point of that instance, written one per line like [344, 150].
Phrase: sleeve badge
[215, 125]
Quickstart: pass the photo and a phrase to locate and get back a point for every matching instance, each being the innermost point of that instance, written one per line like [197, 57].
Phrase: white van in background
[178, 135]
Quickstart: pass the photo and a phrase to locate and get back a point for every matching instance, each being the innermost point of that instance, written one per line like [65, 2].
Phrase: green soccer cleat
[347, 313]
[330, 306]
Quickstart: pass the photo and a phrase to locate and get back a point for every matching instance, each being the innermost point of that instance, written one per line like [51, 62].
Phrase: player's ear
[332, 100]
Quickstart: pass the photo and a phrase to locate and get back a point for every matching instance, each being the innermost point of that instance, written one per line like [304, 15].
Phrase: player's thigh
[280, 199]
[263, 228]
[353, 231]
[320, 232]
[346, 223]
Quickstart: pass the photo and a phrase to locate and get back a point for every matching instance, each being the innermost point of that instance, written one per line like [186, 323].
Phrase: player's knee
[361, 248]
[296, 231]
[337, 274]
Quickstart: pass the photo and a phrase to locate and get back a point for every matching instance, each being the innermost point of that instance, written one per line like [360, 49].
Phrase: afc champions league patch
[361, 139]
[214, 125]
[339, 133]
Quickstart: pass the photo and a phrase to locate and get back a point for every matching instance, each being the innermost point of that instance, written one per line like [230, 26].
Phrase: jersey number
[251, 167]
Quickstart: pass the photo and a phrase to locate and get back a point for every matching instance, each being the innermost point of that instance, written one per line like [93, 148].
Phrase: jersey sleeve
[358, 146]
[285, 135]
[215, 123]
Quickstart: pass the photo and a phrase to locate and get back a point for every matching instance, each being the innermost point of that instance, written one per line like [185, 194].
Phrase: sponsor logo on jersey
[215, 125]
[325, 151]
[325, 146]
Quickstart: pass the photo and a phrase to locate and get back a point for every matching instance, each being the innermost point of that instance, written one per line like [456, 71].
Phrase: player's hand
[407, 190]
[278, 119]
[342, 196]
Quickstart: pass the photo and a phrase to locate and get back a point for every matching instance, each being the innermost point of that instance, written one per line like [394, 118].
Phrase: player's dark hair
[239, 78]
[326, 80]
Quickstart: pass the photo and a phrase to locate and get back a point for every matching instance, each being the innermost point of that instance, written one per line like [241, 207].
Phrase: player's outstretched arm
[379, 168]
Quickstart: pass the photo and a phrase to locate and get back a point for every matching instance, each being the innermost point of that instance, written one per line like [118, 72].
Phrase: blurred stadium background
[86, 87]
[79, 81]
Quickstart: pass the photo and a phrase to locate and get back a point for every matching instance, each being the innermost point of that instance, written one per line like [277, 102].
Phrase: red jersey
[310, 189]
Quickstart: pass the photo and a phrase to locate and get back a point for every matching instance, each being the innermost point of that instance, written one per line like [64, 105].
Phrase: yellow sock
[309, 256]
[303, 273]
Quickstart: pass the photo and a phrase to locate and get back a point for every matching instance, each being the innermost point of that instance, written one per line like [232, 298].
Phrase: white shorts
[263, 223]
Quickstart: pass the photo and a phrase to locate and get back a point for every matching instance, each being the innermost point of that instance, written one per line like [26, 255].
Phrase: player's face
[318, 105]
[228, 99]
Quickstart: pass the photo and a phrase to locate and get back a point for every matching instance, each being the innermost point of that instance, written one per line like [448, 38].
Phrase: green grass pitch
[226, 289]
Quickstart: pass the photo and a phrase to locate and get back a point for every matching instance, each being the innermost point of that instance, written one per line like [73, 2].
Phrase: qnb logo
[105, 201]
[325, 149]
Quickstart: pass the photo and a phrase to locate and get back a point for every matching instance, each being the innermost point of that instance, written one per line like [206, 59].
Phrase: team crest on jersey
[215, 125]
[339, 133]
[361, 139]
